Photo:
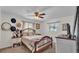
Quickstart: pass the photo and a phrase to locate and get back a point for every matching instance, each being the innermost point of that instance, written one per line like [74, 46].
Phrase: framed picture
[18, 25]
[37, 26]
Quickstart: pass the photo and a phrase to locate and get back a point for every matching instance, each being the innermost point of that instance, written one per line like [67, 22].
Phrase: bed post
[35, 47]
[51, 42]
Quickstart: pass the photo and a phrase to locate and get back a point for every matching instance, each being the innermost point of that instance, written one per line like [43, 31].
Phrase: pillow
[25, 34]
[31, 33]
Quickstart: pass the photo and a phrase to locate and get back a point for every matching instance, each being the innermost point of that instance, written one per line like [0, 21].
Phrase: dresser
[65, 45]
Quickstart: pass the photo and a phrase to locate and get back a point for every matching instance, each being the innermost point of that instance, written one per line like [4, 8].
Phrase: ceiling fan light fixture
[36, 18]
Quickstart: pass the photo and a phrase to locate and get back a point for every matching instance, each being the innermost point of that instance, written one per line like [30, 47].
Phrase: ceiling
[51, 11]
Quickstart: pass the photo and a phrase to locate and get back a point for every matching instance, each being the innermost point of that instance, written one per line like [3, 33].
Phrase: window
[28, 25]
[25, 25]
[53, 27]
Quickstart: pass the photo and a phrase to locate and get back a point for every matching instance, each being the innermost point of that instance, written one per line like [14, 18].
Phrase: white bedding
[34, 37]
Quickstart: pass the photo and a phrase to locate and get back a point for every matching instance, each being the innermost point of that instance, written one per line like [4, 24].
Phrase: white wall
[6, 40]
[5, 37]
[45, 27]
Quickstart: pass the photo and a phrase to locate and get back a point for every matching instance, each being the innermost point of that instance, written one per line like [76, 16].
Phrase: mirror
[5, 26]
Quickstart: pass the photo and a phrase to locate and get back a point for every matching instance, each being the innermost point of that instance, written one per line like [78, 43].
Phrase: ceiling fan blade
[43, 14]
[41, 17]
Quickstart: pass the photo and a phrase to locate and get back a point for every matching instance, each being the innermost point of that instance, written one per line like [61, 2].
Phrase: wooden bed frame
[43, 46]
[37, 42]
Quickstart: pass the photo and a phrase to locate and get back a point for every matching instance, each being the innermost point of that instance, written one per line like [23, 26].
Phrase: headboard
[28, 32]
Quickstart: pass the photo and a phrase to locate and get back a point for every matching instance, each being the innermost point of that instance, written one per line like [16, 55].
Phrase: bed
[36, 43]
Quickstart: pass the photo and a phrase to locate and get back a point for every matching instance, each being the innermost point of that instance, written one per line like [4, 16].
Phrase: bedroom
[42, 22]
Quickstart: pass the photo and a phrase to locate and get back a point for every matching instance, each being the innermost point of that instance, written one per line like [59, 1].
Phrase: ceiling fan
[39, 15]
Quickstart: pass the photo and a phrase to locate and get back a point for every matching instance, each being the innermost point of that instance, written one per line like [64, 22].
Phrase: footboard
[42, 43]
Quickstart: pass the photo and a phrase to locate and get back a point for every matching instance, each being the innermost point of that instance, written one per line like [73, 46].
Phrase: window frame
[28, 26]
[51, 25]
